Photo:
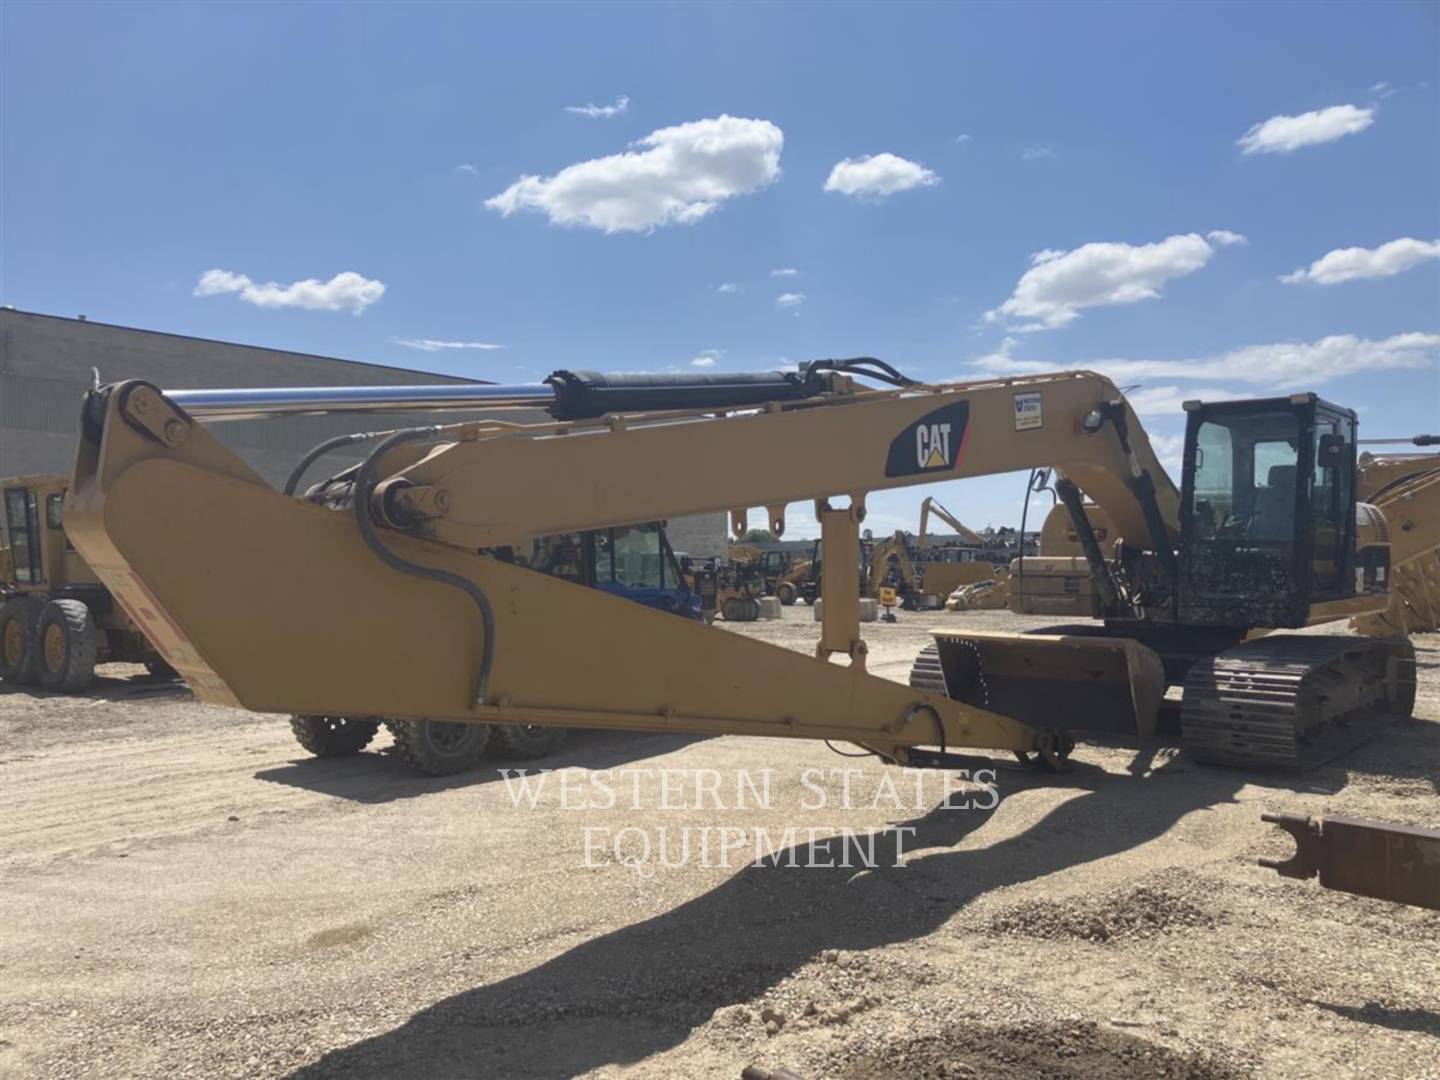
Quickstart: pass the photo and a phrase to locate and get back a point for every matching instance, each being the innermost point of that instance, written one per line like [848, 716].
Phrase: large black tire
[733, 609]
[333, 736]
[785, 593]
[440, 747]
[19, 634]
[522, 742]
[66, 646]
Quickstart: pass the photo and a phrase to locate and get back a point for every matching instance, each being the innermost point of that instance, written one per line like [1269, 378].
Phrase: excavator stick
[1073, 683]
[280, 605]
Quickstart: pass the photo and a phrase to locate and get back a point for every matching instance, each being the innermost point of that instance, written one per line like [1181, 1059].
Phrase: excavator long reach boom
[407, 604]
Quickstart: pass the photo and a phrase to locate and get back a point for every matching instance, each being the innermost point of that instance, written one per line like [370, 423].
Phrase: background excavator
[945, 576]
[401, 597]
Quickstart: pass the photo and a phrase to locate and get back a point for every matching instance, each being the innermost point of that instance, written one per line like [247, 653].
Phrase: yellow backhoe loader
[56, 620]
[402, 600]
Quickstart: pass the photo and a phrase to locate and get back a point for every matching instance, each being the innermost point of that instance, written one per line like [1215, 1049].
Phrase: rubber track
[1264, 703]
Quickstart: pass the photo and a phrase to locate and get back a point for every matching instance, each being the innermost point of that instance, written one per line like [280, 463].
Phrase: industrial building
[48, 362]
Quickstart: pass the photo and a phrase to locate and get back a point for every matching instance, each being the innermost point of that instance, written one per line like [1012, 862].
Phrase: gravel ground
[185, 894]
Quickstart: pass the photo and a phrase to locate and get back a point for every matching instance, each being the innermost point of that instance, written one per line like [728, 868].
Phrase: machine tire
[785, 593]
[752, 609]
[333, 736]
[65, 646]
[523, 742]
[19, 631]
[732, 609]
[437, 748]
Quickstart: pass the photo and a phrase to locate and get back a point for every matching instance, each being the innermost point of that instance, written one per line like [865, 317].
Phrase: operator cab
[1267, 512]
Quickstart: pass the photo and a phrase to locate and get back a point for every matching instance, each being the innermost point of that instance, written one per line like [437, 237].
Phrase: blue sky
[146, 145]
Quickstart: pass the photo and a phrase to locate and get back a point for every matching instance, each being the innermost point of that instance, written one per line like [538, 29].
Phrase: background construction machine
[782, 572]
[1405, 488]
[306, 617]
[56, 620]
[947, 571]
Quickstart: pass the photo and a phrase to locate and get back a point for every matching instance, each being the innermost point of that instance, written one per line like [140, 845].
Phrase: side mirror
[1041, 482]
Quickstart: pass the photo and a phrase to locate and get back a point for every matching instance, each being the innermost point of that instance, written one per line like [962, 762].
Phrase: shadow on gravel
[641, 989]
[1421, 1020]
[383, 777]
[111, 688]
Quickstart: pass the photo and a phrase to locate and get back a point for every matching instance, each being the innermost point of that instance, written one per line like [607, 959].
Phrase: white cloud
[346, 291]
[963, 138]
[1288, 366]
[1060, 284]
[601, 112]
[878, 175]
[467, 168]
[790, 299]
[1284, 134]
[434, 345]
[1037, 153]
[728, 287]
[683, 174]
[785, 271]
[703, 361]
[1353, 264]
[1168, 400]
[1226, 238]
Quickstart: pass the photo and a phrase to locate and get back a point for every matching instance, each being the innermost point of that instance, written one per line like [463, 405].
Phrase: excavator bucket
[1073, 682]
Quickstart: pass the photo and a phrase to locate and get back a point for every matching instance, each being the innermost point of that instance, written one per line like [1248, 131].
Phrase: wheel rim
[54, 647]
[14, 642]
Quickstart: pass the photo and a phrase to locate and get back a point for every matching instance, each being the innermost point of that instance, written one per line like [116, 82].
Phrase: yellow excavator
[400, 598]
[1405, 488]
[944, 576]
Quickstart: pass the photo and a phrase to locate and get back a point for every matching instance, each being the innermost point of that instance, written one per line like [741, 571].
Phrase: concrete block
[869, 610]
[769, 607]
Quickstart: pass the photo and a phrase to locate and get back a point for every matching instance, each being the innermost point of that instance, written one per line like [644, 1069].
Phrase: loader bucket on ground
[1056, 681]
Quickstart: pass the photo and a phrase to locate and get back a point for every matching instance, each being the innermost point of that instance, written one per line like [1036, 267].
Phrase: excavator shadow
[381, 776]
[640, 990]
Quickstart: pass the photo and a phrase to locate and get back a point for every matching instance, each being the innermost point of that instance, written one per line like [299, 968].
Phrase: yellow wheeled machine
[57, 621]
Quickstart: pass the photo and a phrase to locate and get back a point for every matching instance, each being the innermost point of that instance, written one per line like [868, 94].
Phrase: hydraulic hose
[364, 488]
[316, 452]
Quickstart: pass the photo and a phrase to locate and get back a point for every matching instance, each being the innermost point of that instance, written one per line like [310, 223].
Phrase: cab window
[635, 557]
[21, 524]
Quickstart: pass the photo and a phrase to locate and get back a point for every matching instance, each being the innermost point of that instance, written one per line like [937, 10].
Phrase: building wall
[46, 366]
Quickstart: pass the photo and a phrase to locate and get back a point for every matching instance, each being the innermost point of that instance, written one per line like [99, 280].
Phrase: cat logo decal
[934, 443]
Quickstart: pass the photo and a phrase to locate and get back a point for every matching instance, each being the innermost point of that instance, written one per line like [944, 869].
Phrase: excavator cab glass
[1267, 510]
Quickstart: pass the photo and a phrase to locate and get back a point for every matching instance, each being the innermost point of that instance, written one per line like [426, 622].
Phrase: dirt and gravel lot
[185, 894]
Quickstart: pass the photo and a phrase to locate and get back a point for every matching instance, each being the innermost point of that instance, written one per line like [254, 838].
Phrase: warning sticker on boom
[1029, 411]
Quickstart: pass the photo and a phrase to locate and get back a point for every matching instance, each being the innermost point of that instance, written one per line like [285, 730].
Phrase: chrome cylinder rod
[260, 402]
